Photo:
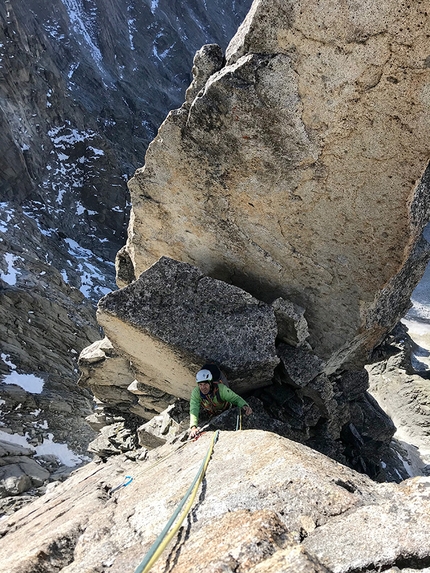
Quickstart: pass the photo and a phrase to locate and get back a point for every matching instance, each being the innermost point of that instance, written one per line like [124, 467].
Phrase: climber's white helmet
[203, 376]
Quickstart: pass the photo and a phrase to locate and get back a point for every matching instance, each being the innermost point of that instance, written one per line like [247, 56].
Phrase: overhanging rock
[173, 318]
[297, 170]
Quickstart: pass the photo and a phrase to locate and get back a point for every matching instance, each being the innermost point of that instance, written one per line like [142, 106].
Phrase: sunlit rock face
[297, 169]
[266, 505]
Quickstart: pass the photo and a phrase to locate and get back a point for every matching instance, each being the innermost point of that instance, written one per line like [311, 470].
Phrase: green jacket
[215, 403]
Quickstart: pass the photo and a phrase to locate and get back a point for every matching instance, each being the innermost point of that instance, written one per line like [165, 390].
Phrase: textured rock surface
[44, 324]
[292, 325]
[18, 471]
[278, 506]
[112, 379]
[263, 179]
[173, 319]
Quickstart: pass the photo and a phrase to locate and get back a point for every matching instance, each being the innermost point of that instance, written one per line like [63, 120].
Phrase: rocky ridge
[266, 504]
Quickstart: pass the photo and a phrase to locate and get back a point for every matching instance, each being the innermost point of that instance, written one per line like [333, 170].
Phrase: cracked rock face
[298, 170]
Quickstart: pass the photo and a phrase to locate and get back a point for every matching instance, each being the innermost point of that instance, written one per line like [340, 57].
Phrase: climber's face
[204, 387]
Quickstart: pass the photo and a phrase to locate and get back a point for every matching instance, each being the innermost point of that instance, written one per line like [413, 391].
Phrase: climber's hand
[194, 431]
[247, 409]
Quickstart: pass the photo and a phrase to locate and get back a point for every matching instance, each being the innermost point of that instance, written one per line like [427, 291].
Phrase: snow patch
[7, 214]
[85, 26]
[96, 151]
[70, 152]
[29, 382]
[42, 425]
[80, 209]
[66, 456]
[16, 439]
[90, 274]
[73, 69]
[162, 55]
[11, 275]
[6, 360]
[131, 22]
[53, 29]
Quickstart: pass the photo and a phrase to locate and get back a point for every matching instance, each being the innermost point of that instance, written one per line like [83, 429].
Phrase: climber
[214, 398]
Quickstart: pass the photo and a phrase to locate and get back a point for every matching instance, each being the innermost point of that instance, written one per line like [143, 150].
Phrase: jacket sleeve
[228, 395]
[194, 407]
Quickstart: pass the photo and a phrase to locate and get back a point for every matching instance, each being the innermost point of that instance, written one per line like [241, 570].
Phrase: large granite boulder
[173, 318]
[18, 470]
[297, 168]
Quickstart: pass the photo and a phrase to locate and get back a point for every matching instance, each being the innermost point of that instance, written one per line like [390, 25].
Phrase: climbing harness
[213, 403]
[170, 530]
[127, 481]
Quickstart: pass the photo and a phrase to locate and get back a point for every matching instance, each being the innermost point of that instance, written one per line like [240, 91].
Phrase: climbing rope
[239, 420]
[167, 456]
[170, 530]
[157, 462]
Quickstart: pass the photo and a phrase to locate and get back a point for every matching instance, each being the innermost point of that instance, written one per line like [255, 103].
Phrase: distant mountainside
[83, 89]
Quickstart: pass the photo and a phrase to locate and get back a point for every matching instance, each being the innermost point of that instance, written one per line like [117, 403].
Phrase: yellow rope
[169, 532]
